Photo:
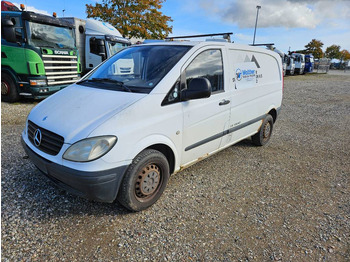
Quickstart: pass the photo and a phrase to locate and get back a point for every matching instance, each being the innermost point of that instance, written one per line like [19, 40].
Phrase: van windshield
[136, 69]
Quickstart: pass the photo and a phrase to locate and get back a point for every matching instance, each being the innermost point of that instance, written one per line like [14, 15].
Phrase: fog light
[37, 82]
[43, 90]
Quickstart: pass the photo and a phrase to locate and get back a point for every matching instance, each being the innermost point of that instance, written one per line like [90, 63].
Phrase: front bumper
[39, 92]
[100, 186]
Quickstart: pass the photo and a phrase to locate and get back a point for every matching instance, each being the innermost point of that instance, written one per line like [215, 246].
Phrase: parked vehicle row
[55, 52]
[293, 63]
[299, 64]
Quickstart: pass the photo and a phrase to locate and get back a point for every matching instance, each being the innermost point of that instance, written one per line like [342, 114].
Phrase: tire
[144, 180]
[264, 134]
[9, 91]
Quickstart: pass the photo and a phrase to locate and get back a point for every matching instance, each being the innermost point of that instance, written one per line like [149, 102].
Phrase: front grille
[51, 143]
[61, 69]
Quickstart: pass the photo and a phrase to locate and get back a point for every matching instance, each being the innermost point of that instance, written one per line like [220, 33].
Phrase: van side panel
[257, 85]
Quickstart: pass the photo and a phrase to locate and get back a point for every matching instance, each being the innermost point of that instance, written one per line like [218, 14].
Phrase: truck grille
[50, 143]
[60, 69]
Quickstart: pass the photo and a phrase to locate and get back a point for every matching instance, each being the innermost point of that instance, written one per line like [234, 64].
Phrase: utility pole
[256, 21]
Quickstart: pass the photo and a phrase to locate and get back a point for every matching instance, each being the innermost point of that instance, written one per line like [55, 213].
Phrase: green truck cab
[38, 55]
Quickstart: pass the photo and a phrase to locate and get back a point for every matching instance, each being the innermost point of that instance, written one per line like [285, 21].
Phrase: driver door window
[207, 64]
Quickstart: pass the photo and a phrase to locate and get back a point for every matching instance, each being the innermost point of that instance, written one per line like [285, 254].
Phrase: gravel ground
[287, 201]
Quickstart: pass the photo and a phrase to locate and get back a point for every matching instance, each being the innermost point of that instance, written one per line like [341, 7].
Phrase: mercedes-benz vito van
[118, 136]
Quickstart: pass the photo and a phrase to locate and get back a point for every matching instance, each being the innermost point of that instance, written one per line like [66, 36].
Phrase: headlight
[90, 149]
[37, 82]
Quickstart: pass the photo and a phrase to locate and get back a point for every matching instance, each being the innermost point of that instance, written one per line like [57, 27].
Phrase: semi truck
[284, 58]
[299, 60]
[290, 65]
[309, 63]
[96, 41]
[38, 55]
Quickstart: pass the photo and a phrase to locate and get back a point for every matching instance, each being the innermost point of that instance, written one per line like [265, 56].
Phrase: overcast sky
[287, 23]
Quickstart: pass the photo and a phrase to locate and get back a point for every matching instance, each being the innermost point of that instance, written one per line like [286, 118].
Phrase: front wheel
[264, 134]
[8, 89]
[144, 181]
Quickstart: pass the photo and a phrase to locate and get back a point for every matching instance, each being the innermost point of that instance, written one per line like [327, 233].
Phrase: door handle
[224, 102]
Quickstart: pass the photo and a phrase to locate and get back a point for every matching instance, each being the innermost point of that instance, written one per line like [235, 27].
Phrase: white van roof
[214, 43]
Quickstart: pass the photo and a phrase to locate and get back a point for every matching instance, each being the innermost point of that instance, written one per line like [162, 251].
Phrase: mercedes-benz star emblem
[37, 137]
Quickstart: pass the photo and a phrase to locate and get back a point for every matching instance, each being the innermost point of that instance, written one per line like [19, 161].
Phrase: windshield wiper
[113, 81]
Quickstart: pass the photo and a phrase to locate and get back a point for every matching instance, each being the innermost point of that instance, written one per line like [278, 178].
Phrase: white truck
[96, 41]
[290, 65]
[299, 60]
[116, 136]
[284, 59]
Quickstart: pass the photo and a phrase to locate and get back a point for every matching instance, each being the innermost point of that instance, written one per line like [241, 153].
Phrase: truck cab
[290, 65]
[38, 55]
[309, 63]
[299, 60]
[97, 41]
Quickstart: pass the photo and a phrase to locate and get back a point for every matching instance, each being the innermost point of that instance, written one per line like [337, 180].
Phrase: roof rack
[224, 35]
[269, 44]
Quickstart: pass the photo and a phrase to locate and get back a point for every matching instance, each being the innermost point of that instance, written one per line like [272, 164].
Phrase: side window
[18, 28]
[207, 64]
[174, 94]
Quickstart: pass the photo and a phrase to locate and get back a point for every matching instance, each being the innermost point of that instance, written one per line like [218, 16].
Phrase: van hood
[77, 110]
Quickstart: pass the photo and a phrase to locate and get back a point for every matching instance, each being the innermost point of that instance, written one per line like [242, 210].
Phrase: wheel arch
[273, 113]
[160, 143]
[8, 70]
[167, 152]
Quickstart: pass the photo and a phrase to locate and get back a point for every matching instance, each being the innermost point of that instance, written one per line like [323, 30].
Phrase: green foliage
[333, 51]
[133, 18]
[315, 48]
[344, 55]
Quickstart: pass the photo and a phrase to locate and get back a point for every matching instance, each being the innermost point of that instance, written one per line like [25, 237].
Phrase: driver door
[205, 119]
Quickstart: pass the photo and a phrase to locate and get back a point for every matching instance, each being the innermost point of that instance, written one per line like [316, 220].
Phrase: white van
[115, 136]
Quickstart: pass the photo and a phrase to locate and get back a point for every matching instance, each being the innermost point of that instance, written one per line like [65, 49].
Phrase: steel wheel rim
[267, 131]
[5, 87]
[148, 182]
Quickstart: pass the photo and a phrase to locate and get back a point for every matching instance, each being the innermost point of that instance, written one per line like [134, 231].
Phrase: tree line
[314, 47]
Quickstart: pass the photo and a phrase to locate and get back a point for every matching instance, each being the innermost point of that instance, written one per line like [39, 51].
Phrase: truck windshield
[42, 35]
[137, 68]
[115, 47]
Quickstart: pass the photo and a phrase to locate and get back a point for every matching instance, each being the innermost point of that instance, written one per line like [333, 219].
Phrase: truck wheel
[144, 181]
[264, 134]
[8, 89]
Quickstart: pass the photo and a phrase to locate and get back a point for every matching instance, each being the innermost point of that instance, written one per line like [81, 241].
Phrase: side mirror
[197, 88]
[97, 46]
[8, 30]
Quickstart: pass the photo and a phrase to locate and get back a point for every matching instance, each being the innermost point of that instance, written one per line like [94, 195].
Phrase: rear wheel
[144, 181]
[8, 89]
[264, 134]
